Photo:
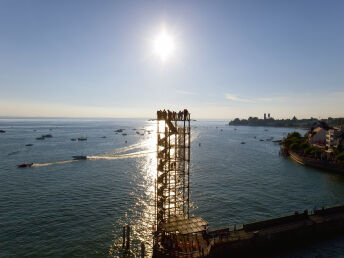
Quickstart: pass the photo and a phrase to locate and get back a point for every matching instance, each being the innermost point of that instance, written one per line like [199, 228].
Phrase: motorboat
[2, 131]
[25, 165]
[47, 136]
[40, 138]
[29, 144]
[82, 139]
[73, 139]
[81, 157]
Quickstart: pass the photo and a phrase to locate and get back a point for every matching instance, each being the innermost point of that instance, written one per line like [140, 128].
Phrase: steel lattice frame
[172, 196]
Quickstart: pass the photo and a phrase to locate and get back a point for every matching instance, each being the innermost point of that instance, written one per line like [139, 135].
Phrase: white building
[333, 138]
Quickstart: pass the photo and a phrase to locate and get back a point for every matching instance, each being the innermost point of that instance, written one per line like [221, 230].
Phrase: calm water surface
[78, 208]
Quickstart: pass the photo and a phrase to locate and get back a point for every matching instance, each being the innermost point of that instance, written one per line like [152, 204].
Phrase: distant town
[268, 120]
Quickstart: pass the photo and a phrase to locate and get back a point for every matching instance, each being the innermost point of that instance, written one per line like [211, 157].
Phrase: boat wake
[53, 163]
[124, 149]
[123, 156]
[116, 154]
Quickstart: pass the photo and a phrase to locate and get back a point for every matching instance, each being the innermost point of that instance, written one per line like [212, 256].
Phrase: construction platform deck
[259, 238]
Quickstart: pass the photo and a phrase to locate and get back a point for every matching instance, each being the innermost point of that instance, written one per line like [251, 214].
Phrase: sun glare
[163, 46]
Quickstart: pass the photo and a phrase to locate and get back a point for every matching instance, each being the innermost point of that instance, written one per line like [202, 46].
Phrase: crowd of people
[172, 115]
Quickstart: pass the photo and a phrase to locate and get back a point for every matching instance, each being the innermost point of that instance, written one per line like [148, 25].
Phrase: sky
[231, 59]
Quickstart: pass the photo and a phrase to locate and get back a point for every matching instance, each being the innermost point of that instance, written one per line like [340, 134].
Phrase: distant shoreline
[273, 126]
[286, 123]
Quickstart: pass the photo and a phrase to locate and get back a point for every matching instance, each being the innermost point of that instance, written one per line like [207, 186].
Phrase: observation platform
[173, 116]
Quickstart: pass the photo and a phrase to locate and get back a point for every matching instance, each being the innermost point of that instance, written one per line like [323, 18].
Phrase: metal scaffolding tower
[172, 194]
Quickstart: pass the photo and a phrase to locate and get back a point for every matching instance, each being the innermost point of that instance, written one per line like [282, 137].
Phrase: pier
[272, 236]
[177, 234]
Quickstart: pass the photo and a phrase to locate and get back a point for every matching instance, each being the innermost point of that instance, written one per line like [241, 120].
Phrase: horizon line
[92, 117]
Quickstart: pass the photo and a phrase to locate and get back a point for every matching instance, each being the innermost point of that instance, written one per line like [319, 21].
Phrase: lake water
[78, 208]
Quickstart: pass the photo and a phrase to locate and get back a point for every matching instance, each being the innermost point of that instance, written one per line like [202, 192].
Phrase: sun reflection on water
[143, 194]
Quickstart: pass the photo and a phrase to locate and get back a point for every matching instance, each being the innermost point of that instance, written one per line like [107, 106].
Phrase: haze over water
[78, 208]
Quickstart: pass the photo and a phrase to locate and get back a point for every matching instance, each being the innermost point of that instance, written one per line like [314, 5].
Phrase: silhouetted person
[185, 114]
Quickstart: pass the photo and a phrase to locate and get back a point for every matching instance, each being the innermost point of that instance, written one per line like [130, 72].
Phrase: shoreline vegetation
[293, 123]
[300, 150]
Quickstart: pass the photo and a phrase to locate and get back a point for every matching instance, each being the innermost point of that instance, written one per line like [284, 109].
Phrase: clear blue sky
[232, 58]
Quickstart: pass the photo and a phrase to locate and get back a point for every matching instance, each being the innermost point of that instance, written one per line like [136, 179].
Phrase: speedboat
[47, 136]
[40, 138]
[29, 144]
[2, 131]
[82, 139]
[25, 165]
[81, 157]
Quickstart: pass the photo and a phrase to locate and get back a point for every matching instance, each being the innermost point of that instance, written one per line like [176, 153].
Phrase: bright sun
[163, 46]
